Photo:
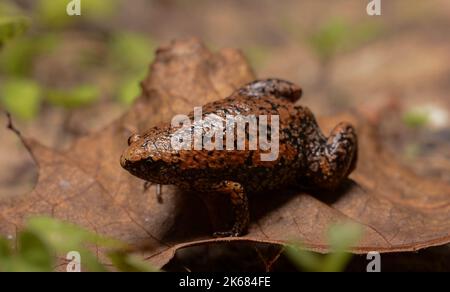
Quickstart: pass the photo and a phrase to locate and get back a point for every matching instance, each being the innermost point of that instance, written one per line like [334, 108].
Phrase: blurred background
[62, 77]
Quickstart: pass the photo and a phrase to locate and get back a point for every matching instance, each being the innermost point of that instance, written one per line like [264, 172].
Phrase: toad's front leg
[239, 203]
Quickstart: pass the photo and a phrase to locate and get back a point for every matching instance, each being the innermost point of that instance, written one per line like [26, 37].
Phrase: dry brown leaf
[86, 185]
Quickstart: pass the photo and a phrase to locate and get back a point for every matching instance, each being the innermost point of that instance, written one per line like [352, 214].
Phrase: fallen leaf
[85, 185]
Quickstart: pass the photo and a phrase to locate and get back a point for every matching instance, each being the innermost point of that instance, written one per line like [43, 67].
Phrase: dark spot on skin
[249, 160]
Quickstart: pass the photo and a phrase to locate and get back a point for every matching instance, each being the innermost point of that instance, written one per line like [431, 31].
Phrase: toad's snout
[123, 161]
[131, 155]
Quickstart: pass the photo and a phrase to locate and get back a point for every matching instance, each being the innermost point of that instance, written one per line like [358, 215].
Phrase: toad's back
[278, 164]
[300, 153]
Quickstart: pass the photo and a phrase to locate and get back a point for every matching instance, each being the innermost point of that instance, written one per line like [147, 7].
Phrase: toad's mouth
[148, 169]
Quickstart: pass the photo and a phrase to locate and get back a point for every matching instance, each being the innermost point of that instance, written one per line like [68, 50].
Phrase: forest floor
[342, 58]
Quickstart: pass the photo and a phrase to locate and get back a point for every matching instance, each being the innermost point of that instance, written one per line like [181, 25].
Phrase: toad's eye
[133, 138]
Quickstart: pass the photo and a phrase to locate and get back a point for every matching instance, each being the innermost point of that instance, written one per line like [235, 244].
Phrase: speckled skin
[306, 157]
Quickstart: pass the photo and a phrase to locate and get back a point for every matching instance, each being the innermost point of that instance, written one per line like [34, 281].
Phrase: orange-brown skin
[306, 157]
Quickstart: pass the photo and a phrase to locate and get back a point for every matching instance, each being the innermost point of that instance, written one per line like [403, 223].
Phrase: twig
[10, 126]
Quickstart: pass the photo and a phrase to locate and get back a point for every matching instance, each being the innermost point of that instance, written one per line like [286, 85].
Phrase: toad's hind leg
[275, 87]
[239, 203]
[337, 159]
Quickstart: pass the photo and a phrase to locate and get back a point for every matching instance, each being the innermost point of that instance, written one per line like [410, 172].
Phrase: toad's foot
[337, 159]
[239, 203]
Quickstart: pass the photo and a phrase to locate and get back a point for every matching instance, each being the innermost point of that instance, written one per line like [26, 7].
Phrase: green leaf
[100, 9]
[337, 35]
[5, 249]
[129, 90]
[83, 95]
[416, 118]
[6, 254]
[340, 237]
[329, 38]
[304, 260]
[53, 12]
[34, 253]
[17, 56]
[66, 236]
[12, 27]
[343, 235]
[90, 262]
[45, 238]
[21, 97]
[131, 51]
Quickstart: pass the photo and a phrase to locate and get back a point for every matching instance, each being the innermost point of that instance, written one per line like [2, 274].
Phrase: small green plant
[337, 35]
[52, 13]
[21, 97]
[130, 53]
[79, 96]
[416, 118]
[341, 237]
[329, 38]
[12, 27]
[128, 57]
[43, 239]
[16, 58]
[129, 90]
